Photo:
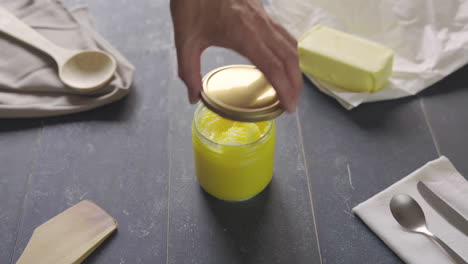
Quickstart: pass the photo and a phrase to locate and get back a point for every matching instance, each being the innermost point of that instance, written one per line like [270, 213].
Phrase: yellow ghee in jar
[233, 160]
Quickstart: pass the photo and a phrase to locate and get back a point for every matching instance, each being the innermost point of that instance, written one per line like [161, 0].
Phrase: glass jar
[233, 172]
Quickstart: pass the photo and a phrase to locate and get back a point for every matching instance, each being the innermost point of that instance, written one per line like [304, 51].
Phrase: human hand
[240, 25]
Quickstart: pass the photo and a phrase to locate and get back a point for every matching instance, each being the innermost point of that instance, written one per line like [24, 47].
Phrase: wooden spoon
[85, 71]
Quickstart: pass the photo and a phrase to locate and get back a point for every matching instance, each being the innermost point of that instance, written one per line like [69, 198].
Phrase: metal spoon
[81, 70]
[410, 215]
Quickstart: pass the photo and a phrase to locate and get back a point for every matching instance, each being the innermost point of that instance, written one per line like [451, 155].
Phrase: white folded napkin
[443, 179]
[29, 84]
[429, 37]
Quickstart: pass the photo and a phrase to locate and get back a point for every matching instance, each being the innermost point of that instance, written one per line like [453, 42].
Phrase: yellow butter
[350, 62]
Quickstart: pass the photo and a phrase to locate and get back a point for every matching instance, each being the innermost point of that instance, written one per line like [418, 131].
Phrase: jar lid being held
[240, 93]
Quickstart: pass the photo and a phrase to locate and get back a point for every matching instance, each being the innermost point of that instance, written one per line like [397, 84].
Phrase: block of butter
[347, 61]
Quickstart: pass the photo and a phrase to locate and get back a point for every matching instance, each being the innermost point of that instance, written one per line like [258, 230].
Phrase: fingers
[285, 34]
[275, 54]
[273, 68]
[188, 60]
[287, 51]
[248, 30]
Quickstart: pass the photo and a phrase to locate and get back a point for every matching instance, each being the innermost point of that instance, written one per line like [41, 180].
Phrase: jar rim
[195, 119]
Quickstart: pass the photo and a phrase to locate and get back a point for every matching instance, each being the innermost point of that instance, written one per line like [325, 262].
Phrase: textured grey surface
[19, 142]
[353, 155]
[446, 108]
[134, 158]
[116, 156]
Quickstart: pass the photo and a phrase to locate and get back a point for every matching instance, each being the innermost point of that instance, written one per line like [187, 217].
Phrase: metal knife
[443, 208]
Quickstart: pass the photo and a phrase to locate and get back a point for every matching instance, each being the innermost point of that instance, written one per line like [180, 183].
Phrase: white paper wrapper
[429, 37]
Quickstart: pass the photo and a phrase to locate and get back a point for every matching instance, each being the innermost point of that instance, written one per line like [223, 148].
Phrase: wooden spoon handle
[14, 27]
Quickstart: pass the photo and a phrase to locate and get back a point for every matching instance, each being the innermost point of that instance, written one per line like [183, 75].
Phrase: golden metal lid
[241, 93]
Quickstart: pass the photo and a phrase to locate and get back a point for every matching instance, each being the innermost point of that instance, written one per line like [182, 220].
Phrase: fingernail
[193, 99]
[292, 105]
[292, 109]
[297, 102]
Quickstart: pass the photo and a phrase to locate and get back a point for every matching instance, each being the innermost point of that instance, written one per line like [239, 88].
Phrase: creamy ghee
[233, 160]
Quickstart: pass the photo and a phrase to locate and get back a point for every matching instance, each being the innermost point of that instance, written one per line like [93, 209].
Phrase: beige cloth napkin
[29, 84]
[443, 179]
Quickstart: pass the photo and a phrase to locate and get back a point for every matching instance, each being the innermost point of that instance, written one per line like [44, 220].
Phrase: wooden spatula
[70, 236]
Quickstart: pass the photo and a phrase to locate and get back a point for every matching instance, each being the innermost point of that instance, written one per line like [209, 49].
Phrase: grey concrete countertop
[134, 159]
